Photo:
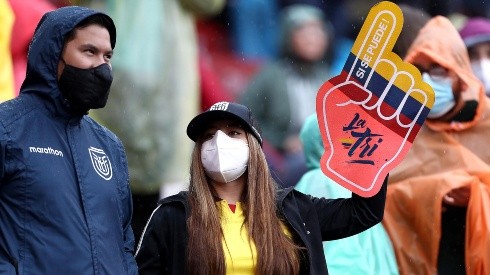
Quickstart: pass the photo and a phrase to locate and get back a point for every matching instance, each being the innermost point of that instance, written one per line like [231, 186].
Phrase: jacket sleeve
[163, 245]
[148, 254]
[340, 218]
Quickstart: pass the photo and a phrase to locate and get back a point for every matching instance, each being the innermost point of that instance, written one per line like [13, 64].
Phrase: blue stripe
[359, 73]
[376, 86]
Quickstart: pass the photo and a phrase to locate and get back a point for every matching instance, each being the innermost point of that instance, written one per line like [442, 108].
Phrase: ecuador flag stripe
[377, 85]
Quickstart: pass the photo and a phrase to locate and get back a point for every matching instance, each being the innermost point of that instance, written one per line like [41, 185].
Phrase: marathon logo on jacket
[101, 163]
[44, 150]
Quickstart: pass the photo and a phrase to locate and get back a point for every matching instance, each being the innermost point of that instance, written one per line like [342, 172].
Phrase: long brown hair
[276, 253]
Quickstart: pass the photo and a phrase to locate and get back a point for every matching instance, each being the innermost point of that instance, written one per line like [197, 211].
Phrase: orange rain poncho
[444, 156]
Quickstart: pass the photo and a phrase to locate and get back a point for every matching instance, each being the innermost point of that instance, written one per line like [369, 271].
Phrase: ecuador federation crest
[100, 162]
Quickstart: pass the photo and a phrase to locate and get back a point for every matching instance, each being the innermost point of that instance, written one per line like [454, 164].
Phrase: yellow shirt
[240, 252]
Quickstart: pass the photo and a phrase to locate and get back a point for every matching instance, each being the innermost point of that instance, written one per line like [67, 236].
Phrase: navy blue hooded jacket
[65, 203]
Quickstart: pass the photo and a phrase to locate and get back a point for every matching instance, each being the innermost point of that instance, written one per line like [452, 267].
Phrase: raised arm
[340, 218]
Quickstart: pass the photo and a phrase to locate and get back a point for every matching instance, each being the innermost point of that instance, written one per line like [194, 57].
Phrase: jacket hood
[440, 42]
[312, 142]
[46, 48]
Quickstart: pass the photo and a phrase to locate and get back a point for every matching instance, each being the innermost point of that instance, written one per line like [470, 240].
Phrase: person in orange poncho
[438, 206]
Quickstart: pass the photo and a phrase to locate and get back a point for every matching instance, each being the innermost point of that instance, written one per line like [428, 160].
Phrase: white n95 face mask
[224, 158]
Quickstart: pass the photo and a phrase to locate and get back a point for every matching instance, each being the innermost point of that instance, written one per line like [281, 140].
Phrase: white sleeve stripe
[144, 230]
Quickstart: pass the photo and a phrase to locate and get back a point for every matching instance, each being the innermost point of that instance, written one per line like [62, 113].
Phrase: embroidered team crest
[101, 163]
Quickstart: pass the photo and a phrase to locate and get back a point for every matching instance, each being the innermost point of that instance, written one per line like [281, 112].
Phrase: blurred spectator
[476, 36]
[6, 71]
[369, 252]
[155, 93]
[284, 92]
[437, 212]
[212, 90]
[473, 8]
[341, 33]
[432, 7]
[335, 11]
[27, 15]
[253, 25]
[224, 75]
[415, 19]
[63, 3]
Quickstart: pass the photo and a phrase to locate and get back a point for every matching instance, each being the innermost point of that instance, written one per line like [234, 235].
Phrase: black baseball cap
[222, 110]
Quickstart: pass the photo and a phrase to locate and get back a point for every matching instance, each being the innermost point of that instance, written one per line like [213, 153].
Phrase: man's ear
[61, 63]
[61, 66]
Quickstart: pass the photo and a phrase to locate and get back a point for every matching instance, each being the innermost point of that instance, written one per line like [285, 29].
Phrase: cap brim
[201, 122]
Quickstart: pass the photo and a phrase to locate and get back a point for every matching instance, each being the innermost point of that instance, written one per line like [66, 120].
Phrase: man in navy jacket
[65, 202]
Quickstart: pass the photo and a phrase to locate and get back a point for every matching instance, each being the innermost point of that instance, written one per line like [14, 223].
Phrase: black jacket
[162, 248]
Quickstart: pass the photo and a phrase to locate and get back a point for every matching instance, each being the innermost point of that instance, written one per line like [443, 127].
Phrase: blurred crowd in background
[174, 58]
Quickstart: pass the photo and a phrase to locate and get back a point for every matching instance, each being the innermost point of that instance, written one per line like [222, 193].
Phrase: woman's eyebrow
[234, 124]
[210, 128]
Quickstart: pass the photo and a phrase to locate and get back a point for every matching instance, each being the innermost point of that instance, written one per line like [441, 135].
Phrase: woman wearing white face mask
[234, 219]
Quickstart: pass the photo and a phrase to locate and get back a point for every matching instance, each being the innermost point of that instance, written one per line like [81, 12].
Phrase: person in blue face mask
[439, 194]
[448, 105]
[437, 77]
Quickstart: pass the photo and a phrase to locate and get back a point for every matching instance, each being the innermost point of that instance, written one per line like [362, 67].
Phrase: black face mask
[85, 89]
